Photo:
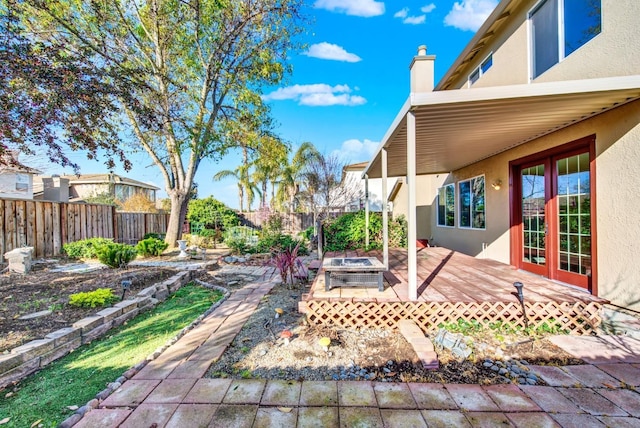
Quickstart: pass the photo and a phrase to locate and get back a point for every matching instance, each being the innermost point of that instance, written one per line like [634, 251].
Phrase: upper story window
[481, 69]
[559, 27]
[22, 182]
[446, 206]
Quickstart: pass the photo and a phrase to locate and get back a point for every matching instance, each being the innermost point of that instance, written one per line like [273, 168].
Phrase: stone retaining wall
[34, 355]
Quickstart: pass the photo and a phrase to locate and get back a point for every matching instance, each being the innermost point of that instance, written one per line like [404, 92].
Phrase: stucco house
[88, 185]
[527, 148]
[16, 179]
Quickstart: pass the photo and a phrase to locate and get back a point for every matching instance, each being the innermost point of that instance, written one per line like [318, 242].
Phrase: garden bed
[364, 354]
[44, 294]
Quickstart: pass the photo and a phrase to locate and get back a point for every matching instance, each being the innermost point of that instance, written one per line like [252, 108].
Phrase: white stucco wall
[8, 185]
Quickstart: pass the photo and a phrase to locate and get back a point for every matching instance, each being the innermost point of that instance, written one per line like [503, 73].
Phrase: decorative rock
[503, 371]
[83, 410]
[487, 364]
[531, 381]
[19, 259]
[495, 368]
[36, 315]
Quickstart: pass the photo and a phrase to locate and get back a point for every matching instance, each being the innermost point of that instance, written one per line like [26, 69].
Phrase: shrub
[347, 232]
[211, 214]
[240, 238]
[151, 247]
[85, 248]
[160, 236]
[270, 243]
[92, 299]
[116, 255]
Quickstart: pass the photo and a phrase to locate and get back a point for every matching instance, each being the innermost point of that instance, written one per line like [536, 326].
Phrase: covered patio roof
[456, 128]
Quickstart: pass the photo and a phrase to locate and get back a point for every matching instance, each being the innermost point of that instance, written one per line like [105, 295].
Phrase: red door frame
[548, 157]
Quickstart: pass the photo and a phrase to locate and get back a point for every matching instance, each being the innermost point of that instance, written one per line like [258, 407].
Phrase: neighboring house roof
[356, 166]
[460, 127]
[106, 178]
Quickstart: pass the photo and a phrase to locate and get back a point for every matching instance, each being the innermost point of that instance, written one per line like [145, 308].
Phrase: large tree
[52, 101]
[204, 64]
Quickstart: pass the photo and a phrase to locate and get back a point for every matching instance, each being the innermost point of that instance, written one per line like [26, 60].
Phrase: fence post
[114, 224]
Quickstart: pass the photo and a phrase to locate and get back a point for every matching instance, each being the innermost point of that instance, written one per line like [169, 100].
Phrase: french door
[552, 214]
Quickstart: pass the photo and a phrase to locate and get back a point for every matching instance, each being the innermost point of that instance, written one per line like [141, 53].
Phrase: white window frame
[561, 36]
[478, 69]
[22, 182]
[452, 186]
[459, 217]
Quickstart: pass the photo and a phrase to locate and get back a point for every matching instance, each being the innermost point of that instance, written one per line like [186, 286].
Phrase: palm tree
[291, 175]
[237, 174]
[268, 165]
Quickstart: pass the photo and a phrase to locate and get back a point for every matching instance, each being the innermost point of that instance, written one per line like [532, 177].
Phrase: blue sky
[348, 85]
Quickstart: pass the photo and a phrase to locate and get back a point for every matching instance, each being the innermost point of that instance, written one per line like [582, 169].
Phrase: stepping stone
[432, 396]
[276, 417]
[445, 419]
[394, 396]
[402, 418]
[314, 417]
[319, 393]
[510, 398]
[356, 394]
[360, 417]
[192, 415]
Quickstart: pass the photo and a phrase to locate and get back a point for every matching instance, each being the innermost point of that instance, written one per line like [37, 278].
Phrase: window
[22, 183]
[471, 203]
[559, 27]
[479, 71]
[446, 206]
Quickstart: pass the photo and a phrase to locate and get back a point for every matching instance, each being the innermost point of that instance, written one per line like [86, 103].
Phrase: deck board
[446, 275]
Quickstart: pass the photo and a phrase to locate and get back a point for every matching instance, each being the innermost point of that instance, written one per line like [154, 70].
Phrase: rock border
[26, 359]
[111, 387]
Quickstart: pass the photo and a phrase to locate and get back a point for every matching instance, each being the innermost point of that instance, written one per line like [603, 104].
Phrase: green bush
[116, 255]
[211, 214]
[347, 232]
[159, 236]
[151, 247]
[272, 243]
[241, 239]
[92, 299]
[85, 248]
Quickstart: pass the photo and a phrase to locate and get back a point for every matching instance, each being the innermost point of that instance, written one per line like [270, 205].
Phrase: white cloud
[470, 14]
[428, 8]
[365, 8]
[356, 151]
[415, 20]
[319, 94]
[330, 51]
[402, 13]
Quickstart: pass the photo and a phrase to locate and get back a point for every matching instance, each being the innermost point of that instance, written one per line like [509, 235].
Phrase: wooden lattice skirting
[576, 317]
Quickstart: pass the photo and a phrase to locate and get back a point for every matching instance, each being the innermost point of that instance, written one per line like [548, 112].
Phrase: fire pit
[353, 272]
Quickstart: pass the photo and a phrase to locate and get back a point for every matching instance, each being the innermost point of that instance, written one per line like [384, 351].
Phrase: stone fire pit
[353, 272]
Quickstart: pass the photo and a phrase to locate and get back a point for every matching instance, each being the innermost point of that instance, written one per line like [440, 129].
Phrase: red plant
[288, 263]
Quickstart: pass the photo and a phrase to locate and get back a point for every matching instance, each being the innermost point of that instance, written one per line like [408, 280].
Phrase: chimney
[422, 76]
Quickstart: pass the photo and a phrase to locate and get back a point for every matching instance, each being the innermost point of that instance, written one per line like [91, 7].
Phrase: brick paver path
[172, 392]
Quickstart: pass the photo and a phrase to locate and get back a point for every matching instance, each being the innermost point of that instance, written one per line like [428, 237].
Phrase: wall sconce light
[497, 184]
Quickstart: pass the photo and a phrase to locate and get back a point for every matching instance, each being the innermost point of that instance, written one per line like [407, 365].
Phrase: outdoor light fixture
[497, 184]
[126, 284]
[519, 286]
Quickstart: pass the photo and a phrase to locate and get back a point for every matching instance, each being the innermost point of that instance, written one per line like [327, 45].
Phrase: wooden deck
[452, 286]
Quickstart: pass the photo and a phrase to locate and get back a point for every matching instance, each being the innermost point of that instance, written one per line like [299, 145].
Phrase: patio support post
[385, 211]
[412, 265]
[366, 211]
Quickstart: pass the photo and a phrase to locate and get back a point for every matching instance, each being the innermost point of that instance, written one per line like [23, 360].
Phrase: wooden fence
[46, 226]
[291, 222]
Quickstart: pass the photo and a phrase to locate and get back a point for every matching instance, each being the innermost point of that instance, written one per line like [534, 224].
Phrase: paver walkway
[172, 392]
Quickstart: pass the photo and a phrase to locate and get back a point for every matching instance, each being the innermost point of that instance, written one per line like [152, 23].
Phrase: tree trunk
[179, 203]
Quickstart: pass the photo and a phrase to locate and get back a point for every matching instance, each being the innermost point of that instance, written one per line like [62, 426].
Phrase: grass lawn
[79, 376]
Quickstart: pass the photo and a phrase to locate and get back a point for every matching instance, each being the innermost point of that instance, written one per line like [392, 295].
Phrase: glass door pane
[574, 214]
[533, 215]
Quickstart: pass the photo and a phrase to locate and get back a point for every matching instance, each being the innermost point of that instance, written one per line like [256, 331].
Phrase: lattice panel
[577, 317]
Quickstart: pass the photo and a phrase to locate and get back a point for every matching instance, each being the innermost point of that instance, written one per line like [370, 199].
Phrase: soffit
[458, 128]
